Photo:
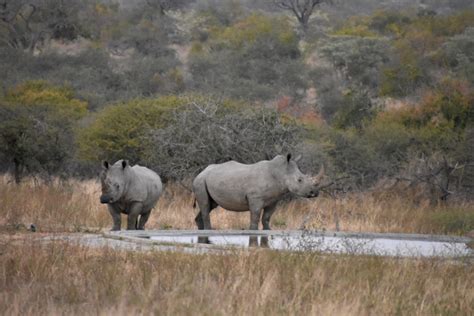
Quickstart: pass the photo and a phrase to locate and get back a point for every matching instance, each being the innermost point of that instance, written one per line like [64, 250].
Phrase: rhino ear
[105, 164]
[288, 157]
[124, 164]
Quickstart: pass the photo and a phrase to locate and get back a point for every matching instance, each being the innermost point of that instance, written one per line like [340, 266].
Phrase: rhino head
[113, 181]
[299, 183]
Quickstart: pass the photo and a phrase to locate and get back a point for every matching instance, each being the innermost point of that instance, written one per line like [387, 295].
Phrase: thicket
[206, 131]
[254, 58]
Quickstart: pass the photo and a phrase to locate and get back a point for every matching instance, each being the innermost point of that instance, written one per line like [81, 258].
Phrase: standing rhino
[129, 190]
[239, 187]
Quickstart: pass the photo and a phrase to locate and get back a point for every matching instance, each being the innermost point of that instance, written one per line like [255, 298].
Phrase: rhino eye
[300, 180]
[117, 186]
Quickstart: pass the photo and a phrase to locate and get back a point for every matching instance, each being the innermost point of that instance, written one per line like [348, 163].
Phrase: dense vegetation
[375, 91]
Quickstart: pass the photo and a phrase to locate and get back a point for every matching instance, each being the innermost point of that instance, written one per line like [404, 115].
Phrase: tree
[359, 59]
[37, 124]
[302, 9]
[117, 131]
[16, 18]
[26, 23]
[206, 131]
[165, 5]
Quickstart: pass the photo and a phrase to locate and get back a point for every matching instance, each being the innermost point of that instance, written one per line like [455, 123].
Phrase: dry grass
[58, 278]
[73, 206]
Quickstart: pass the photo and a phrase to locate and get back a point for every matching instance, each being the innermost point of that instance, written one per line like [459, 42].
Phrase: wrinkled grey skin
[130, 190]
[239, 187]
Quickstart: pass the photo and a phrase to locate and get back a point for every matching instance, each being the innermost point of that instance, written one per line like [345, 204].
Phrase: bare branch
[302, 9]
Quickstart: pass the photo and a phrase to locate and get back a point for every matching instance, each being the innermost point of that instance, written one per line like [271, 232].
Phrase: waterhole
[401, 245]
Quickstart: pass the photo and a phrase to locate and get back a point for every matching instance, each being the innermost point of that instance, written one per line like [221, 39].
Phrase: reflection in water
[338, 244]
[203, 240]
[246, 241]
[256, 241]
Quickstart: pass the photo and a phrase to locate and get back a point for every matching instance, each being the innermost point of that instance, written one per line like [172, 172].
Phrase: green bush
[117, 130]
[389, 22]
[37, 127]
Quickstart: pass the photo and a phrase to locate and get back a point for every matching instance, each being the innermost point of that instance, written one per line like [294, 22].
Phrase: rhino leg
[143, 219]
[254, 219]
[198, 221]
[198, 218]
[116, 216]
[255, 212]
[267, 214]
[203, 220]
[133, 212]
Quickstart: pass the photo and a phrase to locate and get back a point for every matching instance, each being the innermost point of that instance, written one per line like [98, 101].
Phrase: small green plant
[453, 221]
[166, 226]
[279, 222]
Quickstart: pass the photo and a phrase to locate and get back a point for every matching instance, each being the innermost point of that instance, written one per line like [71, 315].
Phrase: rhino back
[145, 186]
[233, 184]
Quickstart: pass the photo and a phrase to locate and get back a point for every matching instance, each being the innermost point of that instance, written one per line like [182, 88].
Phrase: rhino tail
[194, 202]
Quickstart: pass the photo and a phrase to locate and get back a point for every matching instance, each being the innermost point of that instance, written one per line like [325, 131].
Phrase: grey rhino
[240, 187]
[129, 190]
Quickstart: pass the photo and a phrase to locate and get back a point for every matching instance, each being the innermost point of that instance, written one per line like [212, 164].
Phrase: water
[350, 244]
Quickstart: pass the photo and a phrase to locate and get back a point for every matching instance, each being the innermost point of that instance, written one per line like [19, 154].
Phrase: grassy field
[74, 206]
[59, 278]
[62, 278]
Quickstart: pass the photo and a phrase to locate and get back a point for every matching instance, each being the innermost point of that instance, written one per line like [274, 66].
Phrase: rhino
[251, 187]
[132, 190]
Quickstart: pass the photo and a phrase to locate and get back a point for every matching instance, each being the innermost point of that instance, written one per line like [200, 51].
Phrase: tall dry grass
[63, 279]
[73, 205]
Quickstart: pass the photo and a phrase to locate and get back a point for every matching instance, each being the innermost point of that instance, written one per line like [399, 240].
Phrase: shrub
[89, 73]
[389, 22]
[353, 157]
[459, 53]
[359, 59]
[117, 130]
[37, 127]
[357, 111]
[206, 131]
[257, 57]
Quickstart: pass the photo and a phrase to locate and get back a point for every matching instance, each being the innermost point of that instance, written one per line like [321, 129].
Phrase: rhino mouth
[313, 194]
[105, 199]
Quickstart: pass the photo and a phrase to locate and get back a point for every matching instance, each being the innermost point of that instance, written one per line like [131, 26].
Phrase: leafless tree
[205, 132]
[15, 25]
[442, 174]
[302, 9]
[26, 23]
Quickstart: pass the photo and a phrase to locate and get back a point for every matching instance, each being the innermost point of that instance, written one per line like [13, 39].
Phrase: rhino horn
[320, 175]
